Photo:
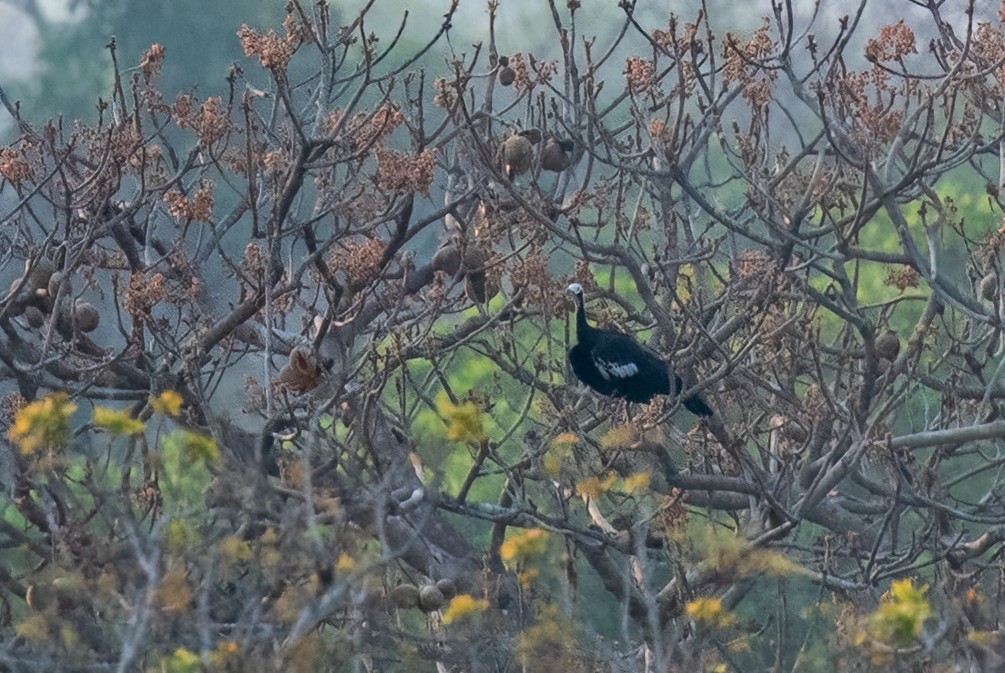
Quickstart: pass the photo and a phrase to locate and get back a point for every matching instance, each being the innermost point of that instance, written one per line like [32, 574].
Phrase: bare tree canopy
[291, 368]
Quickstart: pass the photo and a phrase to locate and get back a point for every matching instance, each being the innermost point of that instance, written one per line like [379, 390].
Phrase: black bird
[616, 365]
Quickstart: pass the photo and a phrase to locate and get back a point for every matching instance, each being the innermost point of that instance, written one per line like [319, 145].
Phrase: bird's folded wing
[613, 366]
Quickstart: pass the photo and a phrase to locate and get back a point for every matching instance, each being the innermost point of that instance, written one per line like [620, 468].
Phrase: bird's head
[576, 289]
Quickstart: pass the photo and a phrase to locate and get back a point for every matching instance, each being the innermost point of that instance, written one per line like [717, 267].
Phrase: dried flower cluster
[276, 164]
[254, 395]
[901, 277]
[989, 45]
[152, 61]
[893, 44]
[359, 261]
[532, 276]
[197, 209]
[9, 406]
[252, 265]
[373, 130]
[362, 203]
[755, 264]
[274, 52]
[640, 75]
[144, 293]
[743, 64]
[446, 93]
[210, 121]
[670, 520]
[659, 134]
[14, 167]
[529, 72]
[872, 124]
[404, 173]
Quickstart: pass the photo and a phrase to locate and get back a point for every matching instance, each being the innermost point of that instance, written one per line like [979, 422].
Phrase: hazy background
[53, 56]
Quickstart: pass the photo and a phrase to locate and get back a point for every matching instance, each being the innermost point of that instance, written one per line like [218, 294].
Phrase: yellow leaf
[901, 614]
[636, 481]
[68, 636]
[526, 578]
[182, 661]
[233, 549]
[618, 437]
[729, 553]
[179, 537]
[194, 446]
[559, 449]
[464, 420]
[345, 563]
[44, 423]
[117, 422]
[565, 440]
[462, 606]
[709, 612]
[524, 545]
[593, 486]
[168, 403]
[34, 628]
[174, 593]
[225, 652]
[982, 639]
[552, 463]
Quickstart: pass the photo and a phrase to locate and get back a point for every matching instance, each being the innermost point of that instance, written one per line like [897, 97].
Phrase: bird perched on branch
[616, 365]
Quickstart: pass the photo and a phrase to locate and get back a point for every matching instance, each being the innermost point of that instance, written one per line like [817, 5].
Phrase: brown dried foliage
[404, 173]
[144, 293]
[14, 167]
[640, 75]
[893, 44]
[197, 209]
[743, 64]
[210, 121]
[901, 277]
[358, 260]
[152, 61]
[275, 52]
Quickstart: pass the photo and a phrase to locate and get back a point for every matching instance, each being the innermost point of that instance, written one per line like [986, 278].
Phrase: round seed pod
[888, 346]
[405, 596]
[85, 316]
[447, 588]
[517, 153]
[430, 598]
[987, 288]
[474, 258]
[54, 282]
[38, 597]
[554, 156]
[34, 316]
[477, 285]
[39, 273]
[480, 287]
[447, 257]
[506, 74]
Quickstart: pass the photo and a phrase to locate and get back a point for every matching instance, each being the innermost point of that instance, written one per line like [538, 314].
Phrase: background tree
[290, 361]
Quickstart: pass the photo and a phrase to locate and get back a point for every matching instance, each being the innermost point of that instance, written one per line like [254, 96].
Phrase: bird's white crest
[576, 288]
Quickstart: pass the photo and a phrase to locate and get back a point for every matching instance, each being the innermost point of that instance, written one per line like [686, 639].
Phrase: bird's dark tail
[694, 404]
[697, 406]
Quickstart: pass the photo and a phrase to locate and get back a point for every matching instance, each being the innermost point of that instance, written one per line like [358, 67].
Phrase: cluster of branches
[785, 218]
